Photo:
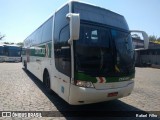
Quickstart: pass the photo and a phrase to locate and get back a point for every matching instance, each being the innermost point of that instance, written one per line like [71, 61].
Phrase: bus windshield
[12, 51]
[1, 50]
[103, 52]
[124, 53]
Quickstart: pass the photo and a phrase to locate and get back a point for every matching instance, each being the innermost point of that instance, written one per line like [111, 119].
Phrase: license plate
[112, 94]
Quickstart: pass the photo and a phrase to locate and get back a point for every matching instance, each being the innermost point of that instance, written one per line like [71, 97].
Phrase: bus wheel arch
[46, 79]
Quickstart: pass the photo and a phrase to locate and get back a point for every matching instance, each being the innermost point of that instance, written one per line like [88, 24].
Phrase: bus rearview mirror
[140, 43]
[74, 22]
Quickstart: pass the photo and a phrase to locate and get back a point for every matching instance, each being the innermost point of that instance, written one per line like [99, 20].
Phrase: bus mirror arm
[74, 23]
[70, 41]
[145, 36]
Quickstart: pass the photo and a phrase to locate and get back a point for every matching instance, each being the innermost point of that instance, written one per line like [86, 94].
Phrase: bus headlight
[86, 84]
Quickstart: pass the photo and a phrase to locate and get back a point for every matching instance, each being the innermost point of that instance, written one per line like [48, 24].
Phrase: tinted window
[92, 51]
[41, 35]
[93, 36]
[13, 51]
[38, 36]
[60, 21]
[62, 52]
[1, 50]
[125, 56]
[64, 35]
[61, 46]
[32, 39]
[47, 31]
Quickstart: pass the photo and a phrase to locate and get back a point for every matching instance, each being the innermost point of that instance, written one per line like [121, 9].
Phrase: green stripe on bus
[41, 51]
[84, 77]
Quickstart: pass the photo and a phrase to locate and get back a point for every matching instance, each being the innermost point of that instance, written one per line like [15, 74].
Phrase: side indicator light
[112, 94]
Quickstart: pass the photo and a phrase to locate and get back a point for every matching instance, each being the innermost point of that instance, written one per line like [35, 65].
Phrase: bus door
[38, 59]
[63, 65]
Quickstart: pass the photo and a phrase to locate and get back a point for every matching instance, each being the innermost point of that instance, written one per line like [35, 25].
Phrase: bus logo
[123, 78]
[101, 79]
[6, 114]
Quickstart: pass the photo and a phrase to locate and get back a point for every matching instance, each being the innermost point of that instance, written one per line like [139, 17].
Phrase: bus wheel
[46, 80]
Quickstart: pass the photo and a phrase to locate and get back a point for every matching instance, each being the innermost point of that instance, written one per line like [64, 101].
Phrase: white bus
[2, 56]
[83, 53]
[12, 53]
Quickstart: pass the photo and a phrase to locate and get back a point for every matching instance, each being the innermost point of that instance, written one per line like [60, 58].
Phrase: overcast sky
[19, 18]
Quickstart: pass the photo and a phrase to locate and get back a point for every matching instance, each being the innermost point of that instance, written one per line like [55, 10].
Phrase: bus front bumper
[81, 95]
[13, 59]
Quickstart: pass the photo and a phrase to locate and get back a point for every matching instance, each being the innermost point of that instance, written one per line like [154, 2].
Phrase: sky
[19, 18]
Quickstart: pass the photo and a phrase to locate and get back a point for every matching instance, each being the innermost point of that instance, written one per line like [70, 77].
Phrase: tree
[158, 39]
[136, 36]
[1, 36]
[6, 42]
[20, 43]
[152, 38]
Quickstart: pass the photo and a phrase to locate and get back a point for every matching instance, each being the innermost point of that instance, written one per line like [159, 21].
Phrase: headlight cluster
[84, 84]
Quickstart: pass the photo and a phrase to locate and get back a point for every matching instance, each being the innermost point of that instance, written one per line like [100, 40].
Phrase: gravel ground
[21, 91]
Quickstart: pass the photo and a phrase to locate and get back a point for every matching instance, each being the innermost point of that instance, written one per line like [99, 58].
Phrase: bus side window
[64, 58]
[47, 31]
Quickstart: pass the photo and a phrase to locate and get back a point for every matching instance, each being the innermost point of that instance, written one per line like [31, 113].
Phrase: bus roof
[13, 45]
[86, 3]
[2, 44]
[121, 23]
[99, 15]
